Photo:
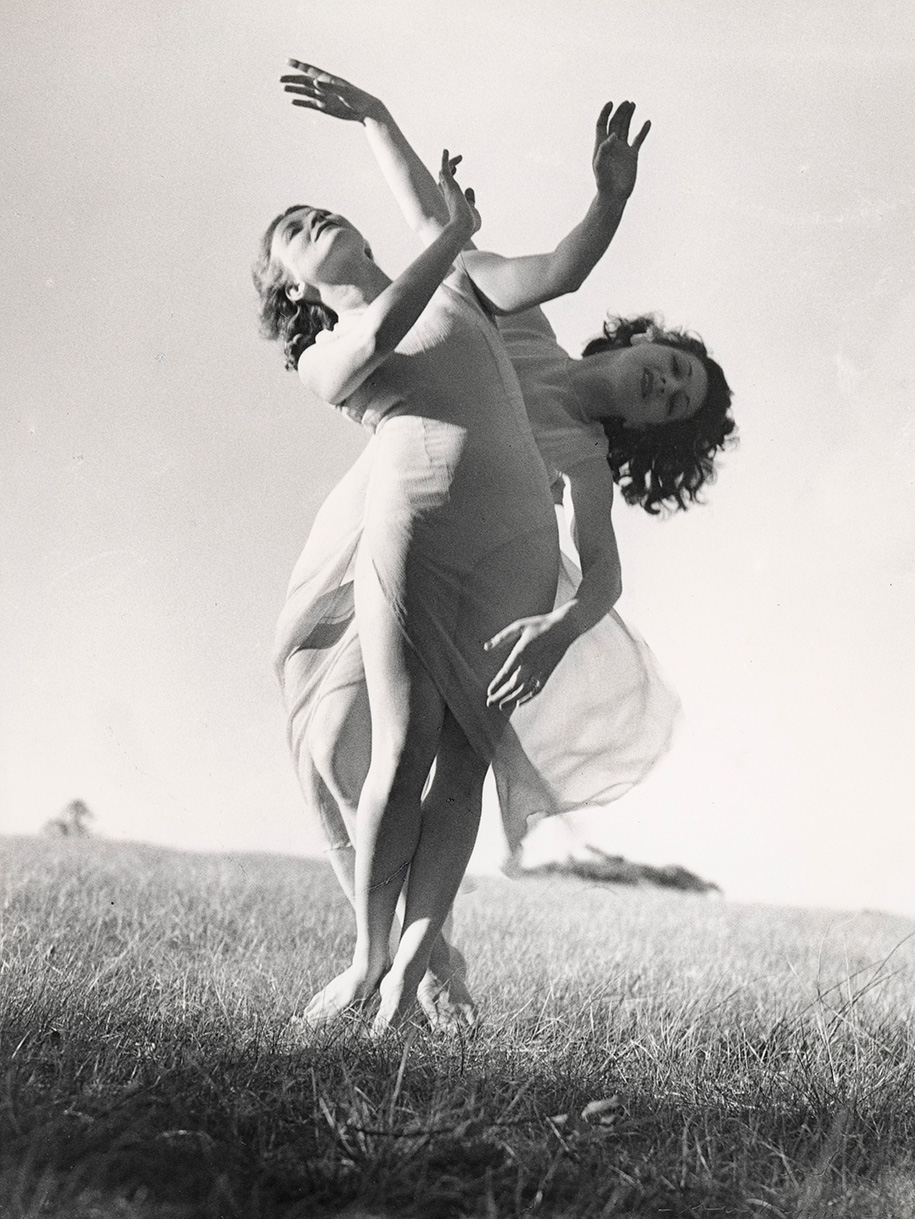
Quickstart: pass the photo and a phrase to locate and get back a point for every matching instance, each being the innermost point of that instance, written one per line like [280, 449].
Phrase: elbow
[329, 389]
[380, 343]
[609, 582]
[615, 585]
[616, 591]
[613, 588]
[428, 229]
[336, 385]
[572, 280]
[566, 276]
[564, 285]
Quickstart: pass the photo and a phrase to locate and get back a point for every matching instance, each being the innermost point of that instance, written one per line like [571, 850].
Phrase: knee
[342, 766]
[460, 769]
[399, 769]
[338, 746]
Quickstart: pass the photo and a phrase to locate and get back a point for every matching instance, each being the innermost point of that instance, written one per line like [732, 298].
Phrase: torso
[564, 436]
[448, 413]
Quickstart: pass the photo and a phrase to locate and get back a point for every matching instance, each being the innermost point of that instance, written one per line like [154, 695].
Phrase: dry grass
[642, 1054]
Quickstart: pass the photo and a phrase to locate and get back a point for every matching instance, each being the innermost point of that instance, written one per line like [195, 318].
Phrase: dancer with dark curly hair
[608, 716]
[666, 458]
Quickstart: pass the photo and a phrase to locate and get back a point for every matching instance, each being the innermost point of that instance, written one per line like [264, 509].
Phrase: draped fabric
[451, 502]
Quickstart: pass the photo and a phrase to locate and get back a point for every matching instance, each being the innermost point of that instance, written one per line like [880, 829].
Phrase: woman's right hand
[320, 90]
[460, 203]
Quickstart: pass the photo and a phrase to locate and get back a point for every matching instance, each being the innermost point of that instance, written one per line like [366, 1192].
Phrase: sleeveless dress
[453, 481]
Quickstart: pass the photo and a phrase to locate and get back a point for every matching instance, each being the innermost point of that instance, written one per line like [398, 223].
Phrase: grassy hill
[642, 1053]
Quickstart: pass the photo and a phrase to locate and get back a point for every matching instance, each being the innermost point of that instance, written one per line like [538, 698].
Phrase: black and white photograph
[458, 636]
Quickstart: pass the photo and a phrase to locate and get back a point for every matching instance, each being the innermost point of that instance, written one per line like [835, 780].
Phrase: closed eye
[682, 368]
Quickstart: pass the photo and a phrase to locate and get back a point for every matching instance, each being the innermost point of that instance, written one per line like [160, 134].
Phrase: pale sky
[162, 470]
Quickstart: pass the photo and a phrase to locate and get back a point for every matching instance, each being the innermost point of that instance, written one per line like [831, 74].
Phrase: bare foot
[447, 1003]
[348, 992]
[398, 1004]
[443, 993]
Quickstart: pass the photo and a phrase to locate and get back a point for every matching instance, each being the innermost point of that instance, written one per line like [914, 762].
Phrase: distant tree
[73, 821]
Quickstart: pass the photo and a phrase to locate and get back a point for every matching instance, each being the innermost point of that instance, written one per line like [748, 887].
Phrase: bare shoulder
[312, 360]
[338, 362]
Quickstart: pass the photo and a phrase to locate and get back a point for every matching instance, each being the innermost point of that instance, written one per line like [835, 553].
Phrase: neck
[595, 384]
[359, 288]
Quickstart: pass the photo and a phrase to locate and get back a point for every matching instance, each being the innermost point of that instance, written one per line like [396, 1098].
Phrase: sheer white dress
[452, 498]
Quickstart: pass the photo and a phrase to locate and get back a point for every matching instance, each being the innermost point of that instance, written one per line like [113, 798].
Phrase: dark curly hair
[294, 323]
[666, 466]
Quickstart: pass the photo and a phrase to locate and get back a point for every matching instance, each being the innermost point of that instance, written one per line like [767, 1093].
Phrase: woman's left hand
[539, 643]
[616, 161]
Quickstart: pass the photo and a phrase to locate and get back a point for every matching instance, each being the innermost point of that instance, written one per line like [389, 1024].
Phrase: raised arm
[335, 368]
[510, 284]
[411, 183]
[513, 284]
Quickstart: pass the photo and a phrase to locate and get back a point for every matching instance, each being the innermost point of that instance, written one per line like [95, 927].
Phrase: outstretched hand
[616, 161]
[537, 648]
[460, 204]
[316, 89]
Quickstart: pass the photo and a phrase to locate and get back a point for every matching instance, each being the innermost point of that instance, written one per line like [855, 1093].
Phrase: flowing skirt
[600, 723]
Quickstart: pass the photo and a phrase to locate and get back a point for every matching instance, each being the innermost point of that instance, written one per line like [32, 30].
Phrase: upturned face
[654, 384]
[313, 245]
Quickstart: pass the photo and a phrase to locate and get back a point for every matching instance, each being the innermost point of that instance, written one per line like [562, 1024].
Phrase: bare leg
[450, 819]
[443, 993]
[407, 714]
[459, 775]
[332, 762]
[343, 862]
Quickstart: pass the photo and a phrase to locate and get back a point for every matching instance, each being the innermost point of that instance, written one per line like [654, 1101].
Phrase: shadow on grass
[117, 1114]
[638, 1069]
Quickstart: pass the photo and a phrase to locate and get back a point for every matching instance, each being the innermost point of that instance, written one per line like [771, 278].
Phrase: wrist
[378, 115]
[564, 623]
[460, 229]
[571, 620]
[610, 202]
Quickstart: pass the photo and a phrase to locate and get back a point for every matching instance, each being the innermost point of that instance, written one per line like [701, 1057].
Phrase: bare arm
[411, 183]
[513, 284]
[591, 492]
[335, 368]
[539, 643]
[510, 284]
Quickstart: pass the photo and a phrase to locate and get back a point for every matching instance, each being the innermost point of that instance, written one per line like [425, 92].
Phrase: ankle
[406, 975]
[440, 958]
[369, 965]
